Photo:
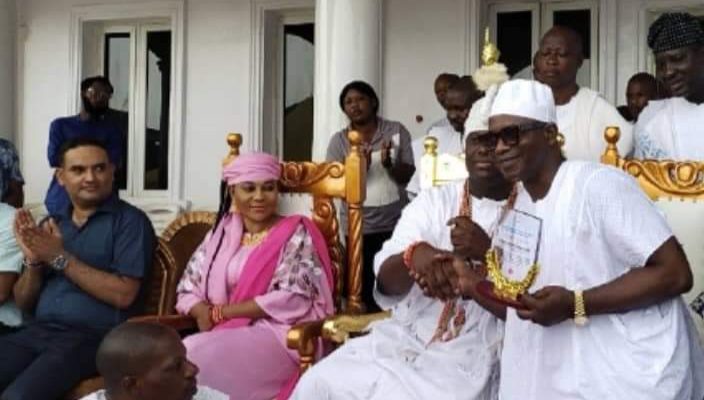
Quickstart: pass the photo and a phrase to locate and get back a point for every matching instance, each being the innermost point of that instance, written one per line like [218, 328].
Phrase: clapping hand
[548, 306]
[39, 244]
[386, 160]
[469, 240]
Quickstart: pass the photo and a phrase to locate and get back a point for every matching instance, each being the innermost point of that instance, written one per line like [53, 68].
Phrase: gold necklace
[253, 239]
[452, 311]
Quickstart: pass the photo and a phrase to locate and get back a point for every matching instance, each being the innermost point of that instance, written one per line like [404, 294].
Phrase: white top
[10, 261]
[441, 123]
[670, 129]
[204, 393]
[597, 224]
[583, 121]
[465, 367]
[449, 141]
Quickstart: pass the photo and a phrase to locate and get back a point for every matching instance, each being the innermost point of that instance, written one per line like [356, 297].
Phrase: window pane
[299, 69]
[117, 70]
[580, 21]
[156, 158]
[514, 39]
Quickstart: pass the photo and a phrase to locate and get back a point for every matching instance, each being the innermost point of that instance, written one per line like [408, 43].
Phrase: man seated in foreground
[604, 318]
[147, 361]
[435, 345]
[83, 275]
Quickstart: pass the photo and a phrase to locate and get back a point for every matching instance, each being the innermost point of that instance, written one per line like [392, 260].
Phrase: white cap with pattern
[524, 98]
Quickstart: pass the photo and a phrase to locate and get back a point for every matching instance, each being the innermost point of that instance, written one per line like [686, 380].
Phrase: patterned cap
[673, 31]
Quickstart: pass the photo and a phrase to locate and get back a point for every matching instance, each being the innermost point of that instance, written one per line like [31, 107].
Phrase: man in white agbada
[416, 354]
[147, 361]
[582, 114]
[457, 102]
[604, 318]
[672, 128]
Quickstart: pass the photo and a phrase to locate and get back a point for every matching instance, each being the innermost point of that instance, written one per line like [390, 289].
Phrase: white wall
[217, 70]
[421, 39]
[7, 68]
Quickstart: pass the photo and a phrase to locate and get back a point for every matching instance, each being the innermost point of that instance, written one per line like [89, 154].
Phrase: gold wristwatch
[580, 313]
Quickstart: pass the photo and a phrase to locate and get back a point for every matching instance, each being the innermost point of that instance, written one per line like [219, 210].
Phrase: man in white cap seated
[582, 114]
[604, 318]
[435, 345]
[672, 128]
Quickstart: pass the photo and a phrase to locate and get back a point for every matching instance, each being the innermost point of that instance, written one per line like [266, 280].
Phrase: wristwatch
[59, 263]
[580, 313]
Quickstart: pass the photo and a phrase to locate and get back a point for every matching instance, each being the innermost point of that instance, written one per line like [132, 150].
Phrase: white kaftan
[597, 224]
[583, 121]
[449, 141]
[671, 129]
[392, 362]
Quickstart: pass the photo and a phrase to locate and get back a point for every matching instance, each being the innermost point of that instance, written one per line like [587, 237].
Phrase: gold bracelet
[580, 312]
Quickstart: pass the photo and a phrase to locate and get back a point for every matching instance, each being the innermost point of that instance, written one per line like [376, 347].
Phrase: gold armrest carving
[339, 328]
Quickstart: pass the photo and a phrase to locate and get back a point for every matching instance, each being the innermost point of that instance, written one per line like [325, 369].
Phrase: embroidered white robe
[392, 362]
[597, 224]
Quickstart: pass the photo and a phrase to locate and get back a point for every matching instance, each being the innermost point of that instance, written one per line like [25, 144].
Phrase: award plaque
[512, 261]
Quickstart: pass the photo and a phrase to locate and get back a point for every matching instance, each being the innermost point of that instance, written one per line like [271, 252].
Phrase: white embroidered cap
[524, 98]
[478, 119]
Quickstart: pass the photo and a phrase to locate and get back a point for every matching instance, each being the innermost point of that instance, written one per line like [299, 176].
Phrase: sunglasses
[510, 135]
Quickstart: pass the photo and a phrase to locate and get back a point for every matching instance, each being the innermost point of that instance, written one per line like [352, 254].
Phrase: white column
[7, 69]
[348, 47]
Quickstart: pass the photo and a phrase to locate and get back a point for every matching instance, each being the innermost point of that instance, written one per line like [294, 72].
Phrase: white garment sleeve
[629, 222]
[610, 116]
[416, 224]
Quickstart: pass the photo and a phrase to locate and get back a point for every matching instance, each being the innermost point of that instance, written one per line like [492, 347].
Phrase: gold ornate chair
[677, 188]
[157, 301]
[438, 169]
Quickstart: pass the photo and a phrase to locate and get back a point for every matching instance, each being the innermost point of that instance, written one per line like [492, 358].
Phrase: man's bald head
[559, 58]
[128, 349]
[442, 84]
[145, 361]
[459, 100]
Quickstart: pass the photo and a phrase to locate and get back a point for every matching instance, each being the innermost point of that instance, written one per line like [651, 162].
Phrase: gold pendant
[504, 287]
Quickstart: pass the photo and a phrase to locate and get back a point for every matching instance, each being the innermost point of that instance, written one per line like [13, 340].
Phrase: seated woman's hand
[201, 313]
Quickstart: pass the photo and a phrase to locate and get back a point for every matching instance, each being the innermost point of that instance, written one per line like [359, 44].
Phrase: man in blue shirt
[84, 273]
[93, 122]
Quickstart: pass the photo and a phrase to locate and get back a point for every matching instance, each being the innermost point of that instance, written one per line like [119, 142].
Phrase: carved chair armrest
[339, 328]
[178, 322]
[304, 337]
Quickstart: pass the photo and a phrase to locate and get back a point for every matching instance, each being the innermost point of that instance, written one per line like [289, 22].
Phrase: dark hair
[468, 88]
[80, 142]
[223, 209]
[645, 79]
[448, 77]
[88, 82]
[362, 87]
[572, 35]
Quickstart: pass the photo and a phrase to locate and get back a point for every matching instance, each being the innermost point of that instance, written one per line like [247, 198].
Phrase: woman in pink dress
[255, 274]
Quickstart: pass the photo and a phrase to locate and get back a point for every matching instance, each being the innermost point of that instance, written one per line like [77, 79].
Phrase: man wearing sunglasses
[93, 121]
[582, 114]
[604, 318]
[417, 353]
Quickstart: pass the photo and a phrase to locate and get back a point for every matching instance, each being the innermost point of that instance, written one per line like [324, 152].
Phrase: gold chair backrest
[658, 178]
[439, 169]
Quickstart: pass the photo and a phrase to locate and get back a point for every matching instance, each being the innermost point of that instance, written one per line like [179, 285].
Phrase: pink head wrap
[252, 167]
